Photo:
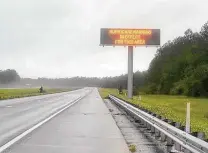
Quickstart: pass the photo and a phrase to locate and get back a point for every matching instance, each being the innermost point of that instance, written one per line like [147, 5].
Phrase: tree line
[105, 82]
[11, 76]
[181, 66]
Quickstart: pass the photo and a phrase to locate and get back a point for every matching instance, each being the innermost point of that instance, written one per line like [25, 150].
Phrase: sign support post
[130, 71]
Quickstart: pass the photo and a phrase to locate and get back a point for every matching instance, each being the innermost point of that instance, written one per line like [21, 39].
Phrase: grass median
[19, 93]
[171, 107]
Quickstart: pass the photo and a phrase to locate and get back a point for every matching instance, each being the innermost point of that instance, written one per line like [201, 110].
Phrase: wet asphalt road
[85, 127]
[18, 115]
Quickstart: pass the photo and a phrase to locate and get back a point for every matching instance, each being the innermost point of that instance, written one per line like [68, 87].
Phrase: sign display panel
[129, 37]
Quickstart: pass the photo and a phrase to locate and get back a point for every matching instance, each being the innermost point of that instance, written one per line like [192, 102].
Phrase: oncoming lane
[24, 113]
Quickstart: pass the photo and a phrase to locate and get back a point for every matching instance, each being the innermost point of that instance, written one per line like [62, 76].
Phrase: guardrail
[180, 139]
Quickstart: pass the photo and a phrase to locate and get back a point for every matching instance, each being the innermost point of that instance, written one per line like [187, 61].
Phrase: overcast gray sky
[60, 38]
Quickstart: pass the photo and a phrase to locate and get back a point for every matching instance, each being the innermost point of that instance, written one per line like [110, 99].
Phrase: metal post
[188, 127]
[188, 118]
[130, 71]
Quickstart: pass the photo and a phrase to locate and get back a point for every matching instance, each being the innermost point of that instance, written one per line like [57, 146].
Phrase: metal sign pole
[130, 71]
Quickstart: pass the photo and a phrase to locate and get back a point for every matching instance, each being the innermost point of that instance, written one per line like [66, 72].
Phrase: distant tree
[204, 31]
[188, 32]
[9, 76]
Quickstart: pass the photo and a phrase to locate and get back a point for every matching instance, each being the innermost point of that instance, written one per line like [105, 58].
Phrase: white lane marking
[8, 106]
[10, 143]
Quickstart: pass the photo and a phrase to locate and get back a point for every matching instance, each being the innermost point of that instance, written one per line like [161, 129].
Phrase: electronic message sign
[129, 37]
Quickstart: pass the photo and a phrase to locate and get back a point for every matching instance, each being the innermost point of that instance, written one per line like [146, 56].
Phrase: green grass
[132, 148]
[171, 107]
[19, 93]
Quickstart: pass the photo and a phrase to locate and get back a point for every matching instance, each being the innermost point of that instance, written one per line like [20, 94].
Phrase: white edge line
[13, 141]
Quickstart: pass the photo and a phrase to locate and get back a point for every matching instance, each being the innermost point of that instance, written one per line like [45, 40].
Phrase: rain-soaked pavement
[18, 115]
[134, 133]
[85, 127]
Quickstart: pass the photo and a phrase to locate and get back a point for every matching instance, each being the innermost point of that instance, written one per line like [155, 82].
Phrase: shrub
[132, 148]
[206, 115]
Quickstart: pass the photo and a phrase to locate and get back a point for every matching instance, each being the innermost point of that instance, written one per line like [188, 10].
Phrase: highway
[17, 115]
[87, 126]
